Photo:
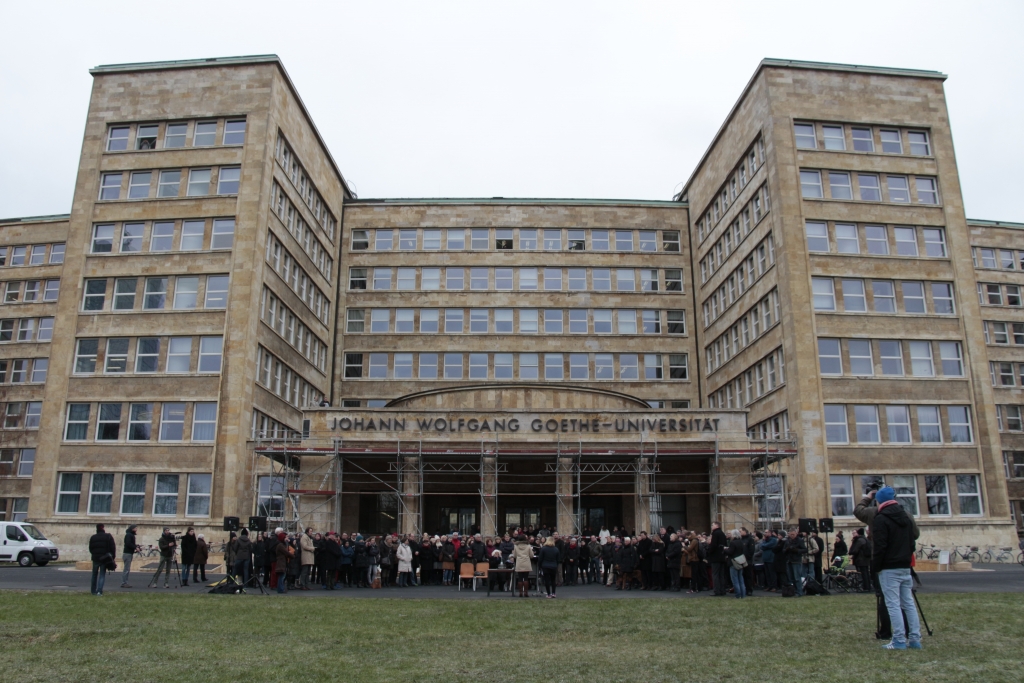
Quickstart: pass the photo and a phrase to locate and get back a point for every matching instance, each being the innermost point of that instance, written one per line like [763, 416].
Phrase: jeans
[897, 587]
[185, 569]
[244, 567]
[718, 571]
[737, 581]
[795, 570]
[769, 576]
[282, 581]
[127, 559]
[99, 577]
[865, 574]
[595, 569]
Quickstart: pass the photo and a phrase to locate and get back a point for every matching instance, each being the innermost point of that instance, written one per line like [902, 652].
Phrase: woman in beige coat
[522, 555]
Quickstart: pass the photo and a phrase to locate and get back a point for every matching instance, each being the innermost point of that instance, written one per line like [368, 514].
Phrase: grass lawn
[75, 637]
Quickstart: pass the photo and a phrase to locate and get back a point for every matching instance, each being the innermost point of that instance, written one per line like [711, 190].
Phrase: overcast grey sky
[513, 99]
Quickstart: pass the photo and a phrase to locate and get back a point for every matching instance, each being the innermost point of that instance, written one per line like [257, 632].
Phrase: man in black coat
[331, 557]
[102, 549]
[673, 560]
[718, 559]
[749, 546]
[127, 553]
[893, 534]
[794, 550]
[607, 560]
[643, 552]
[860, 554]
[628, 562]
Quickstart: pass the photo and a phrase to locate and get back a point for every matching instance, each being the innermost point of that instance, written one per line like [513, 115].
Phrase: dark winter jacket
[657, 555]
[735, 548]
[188, 549]
[860, 551]
[748, 548]
[628, 558]
[673, 554]
[166, 544]
[243, 548]
[892, 533]
[129, 541]
[768, 547]
[643, 551]
[547, 558]
[506, 548]
[716, 548]
[101, 546]
[347, 554]
[202, 553]
[331, 555]
[794, 549]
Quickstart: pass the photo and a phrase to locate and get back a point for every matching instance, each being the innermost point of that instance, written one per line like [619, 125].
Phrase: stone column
[489, 496]
[565, 506]
[409, 516]
[642, 497]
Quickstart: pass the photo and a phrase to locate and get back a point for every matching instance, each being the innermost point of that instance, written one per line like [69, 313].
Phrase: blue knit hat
[885, 494]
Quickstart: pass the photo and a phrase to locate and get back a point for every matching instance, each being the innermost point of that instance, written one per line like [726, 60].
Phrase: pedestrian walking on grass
[102, 549]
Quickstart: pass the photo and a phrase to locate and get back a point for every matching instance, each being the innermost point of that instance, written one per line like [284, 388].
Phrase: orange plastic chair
[484, 568]
[466, 574]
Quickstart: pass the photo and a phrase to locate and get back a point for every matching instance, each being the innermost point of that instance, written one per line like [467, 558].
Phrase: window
[841, 486]
[921, 359]
[165, 495]
[223, 233]
[216, 291]
[866, 418]
[77, 428]
[102, 240]
[810, 185]
[579, 366]
[204, 421]
[528, 368]
[198, 182]
[906, 241]
[624, 240]
[428, 366]
[429, 321]
[1009, 418]
[405, 278]
[85, 356]
[174, 136]
[456, 239]
[770, 497]
[38, 256]
[234, 132]
[133, 493]
[147, 354]
[192, 235]
[210, 352]
[381, 279]
[833, 137]
[527, 239]
[627, 322]
[602, 321]
[648, 240]
[553, 319]
[168, 184]
[205, 136]
[528, 321]
[553, 279]
[357, 278]
[824, 294]
[861, 362]
[678, 366]
[186, 293]
[651, 322]
[919, 145]
[553, 367]
[846, 239]
[673, 280]
[480, 238]
[69, 493]
[625, 280]
[162, 237]
[453, 366]
[26, 328]
[13, 415]
[676, 322]
[13, 291]
[198, 493]
[942, 298]
[172, 422]
[891, 142]
[863, 140]
[453, 320]
[179, 354]
[138, 184]
[599, 240]
[898, 419]
[403, 366]
[959, 424]
[891, 355]
[884, 296]
[380, 320]
[913, 297]
[117, 355]
[829, 359]
[40, 366]
[602, 279]
[653, 369]
[906, 492]
[817, 237]
[936, 494]
[527, 278]
[804, 133]
[928, 424]
[968, 494]
[404, 320]
[869, 188]
[117, 139]
[407, 240]
[877, 239]
[853, 296]
[603, 366]
[110, 186]
[108, 422]
[56, 253]
[951, 356]
[899, 190]
[629, 366]
[927, 190]
[839, 185]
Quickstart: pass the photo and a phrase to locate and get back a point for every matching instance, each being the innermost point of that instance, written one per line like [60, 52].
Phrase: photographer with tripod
[167, 544]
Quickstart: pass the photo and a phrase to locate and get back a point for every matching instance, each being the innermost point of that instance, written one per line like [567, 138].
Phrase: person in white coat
[404, 555]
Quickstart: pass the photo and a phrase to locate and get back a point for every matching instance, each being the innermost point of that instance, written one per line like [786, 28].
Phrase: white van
[23, 543]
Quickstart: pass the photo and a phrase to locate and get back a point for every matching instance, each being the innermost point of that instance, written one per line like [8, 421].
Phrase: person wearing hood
[127, 553]
[188, 553]
[893, 539]
[308, 551]
[243, 556]
[523, 558]
[200, 559]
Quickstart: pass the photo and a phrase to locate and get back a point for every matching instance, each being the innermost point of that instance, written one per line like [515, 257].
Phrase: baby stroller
[841, 576]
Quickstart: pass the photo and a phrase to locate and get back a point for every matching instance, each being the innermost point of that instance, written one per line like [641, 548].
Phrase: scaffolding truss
[751, 494]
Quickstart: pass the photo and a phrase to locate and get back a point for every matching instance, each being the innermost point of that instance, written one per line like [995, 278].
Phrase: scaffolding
[746, 486]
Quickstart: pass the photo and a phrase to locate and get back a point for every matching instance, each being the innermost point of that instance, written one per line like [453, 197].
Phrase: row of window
[295, 276]
[882, 296]
[30, 291]
[382, 402]
[134, 422]
[300, 230]
[314, 201]
[1009, 418]
[524, 366]
[836, 137]
[1014, 461]
[993, 294]
[756, 209]
[742, 278]
[32, 254]
[877, 240]
[278, 378]
[1004, 333]
[19, 509]
[282, 320]
[1004, 259]
[266, 427]
[775, 427]
[745, 169]
[523, 239]
[176, 355]
[749, 385]
[23, 370]
[869, 187]
[522, 279]
[188, 234]
[17, 462]
[165, 494]
[189, 292]
[26, 330]
[22, 414]
[757, 321]
[885, 357]
[1006, 374]
[504, 321]
[175, 135]
[938, 498]
[201, 182]
[932, 424]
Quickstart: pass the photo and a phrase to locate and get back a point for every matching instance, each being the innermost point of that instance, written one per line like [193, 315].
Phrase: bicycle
[970, 556]
[148, 551]
[1004, 555]
[929, 553]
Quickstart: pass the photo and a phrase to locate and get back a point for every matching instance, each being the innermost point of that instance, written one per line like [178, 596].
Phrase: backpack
[812, 587]
[788, 591]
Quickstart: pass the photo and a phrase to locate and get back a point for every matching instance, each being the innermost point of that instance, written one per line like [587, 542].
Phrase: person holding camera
[102, 549]
[167, 544]
[893, 540]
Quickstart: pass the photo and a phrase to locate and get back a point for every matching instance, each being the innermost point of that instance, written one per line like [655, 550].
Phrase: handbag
[739, 562]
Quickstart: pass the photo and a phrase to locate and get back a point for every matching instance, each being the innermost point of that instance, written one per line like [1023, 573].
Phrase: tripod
[177, 572]
[254, 579]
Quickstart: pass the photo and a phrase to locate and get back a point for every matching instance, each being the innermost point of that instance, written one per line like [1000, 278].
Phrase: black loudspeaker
[257, 524]
[231, 524]
[808, 524]
[825, 525]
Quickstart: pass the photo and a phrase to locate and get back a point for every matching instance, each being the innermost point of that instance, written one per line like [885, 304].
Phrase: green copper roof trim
[519, 200]
[37, 219]
[184, 63]
[995, 224]
[857, 68]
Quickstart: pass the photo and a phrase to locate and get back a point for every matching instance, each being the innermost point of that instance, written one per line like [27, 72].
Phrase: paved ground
[992, 579]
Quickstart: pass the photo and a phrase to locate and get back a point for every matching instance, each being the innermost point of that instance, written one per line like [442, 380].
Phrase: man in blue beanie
[892, 533]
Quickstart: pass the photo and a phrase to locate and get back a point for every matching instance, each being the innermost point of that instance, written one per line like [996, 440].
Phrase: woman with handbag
[737, 562]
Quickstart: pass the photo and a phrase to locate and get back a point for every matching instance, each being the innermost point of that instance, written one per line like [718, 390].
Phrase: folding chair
[485, 568]
[466, 573]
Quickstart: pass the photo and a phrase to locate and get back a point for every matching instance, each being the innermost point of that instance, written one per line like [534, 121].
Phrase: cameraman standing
[167, 545]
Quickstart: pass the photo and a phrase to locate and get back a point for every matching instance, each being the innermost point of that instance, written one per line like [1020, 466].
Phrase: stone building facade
[221, 328]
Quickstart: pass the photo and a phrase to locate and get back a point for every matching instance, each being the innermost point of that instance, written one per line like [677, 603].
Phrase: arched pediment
[518, 397]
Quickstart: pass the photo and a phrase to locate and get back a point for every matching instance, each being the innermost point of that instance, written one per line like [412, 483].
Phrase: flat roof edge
[518, 200]
[184, 64]
[855, 68]
[994, 224]
[36, 219]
